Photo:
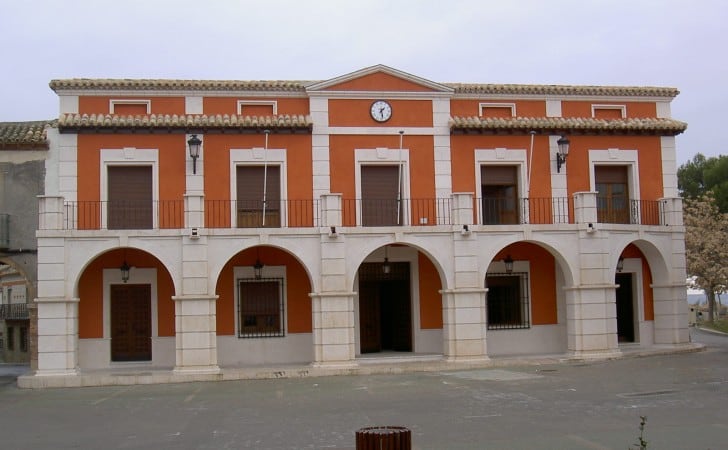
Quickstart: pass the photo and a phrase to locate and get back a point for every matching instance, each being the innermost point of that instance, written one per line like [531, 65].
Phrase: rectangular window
[611, 185]
[257, 107]
[11, 338]
[508, 302]
[609, 112]
[130, 107]
[130, 198]
[499, 195]
[258, 207]
[381, 204]
[497, 110]
[260, 307]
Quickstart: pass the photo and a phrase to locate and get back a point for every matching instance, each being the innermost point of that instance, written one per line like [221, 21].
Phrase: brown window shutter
[379, 192]
[250, 196]
[610, 174]
[130, 197]
[498, 175]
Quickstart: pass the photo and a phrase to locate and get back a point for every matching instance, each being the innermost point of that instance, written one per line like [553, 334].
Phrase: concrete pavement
[567, 405]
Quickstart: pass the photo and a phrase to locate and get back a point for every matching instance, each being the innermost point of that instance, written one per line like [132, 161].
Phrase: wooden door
[369, 316]
[131, 322]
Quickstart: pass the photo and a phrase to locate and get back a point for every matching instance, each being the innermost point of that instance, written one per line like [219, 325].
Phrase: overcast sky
[673, 43]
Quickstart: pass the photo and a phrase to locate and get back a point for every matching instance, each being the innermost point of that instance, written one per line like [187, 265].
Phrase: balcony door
[612, 189]
[380, 196]
[499, 194]
[258, 207]
[130, 198]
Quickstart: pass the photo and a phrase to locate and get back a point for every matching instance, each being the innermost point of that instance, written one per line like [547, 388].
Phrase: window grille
[260, 308]
[508, 302]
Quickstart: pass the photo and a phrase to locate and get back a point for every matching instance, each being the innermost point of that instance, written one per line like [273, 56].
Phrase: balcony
[14, 311]
[332, 210]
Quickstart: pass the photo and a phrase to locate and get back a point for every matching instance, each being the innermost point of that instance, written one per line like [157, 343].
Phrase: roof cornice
[560, 125]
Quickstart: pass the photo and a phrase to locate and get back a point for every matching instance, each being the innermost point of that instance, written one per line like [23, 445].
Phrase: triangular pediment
[379, 78]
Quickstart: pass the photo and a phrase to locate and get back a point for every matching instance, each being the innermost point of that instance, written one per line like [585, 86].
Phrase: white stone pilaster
[333, 328]
[196, 334]
[464, 324]
[57, 336]
[671, 314]
[591, 321]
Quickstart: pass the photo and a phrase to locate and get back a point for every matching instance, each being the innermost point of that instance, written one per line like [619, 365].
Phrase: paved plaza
[575, 405]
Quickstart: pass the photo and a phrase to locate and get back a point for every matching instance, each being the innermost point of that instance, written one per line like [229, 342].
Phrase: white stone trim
[501, 157]
[384, 157]
[242, 103]
[129, 156]
[485, 105]
[669, 167]
[68, 104]
[617, 157]
[663, 110]
[113, 102]
[621, 108]
[553, 108]
[194, 104]
[259, 156]
[247, 272]
[136, 276]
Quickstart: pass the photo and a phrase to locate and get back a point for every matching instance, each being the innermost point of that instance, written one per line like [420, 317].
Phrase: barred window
[508, 302]
[260, 307]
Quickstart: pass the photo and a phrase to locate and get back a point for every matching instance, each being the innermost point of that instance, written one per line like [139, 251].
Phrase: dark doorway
[625, 308]
[131, 322]
[385, 312]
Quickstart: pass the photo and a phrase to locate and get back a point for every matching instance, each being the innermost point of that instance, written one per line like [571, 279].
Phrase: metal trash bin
[384, 438]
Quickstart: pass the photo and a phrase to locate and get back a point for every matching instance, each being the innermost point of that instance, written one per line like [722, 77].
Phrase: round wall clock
[381, 111]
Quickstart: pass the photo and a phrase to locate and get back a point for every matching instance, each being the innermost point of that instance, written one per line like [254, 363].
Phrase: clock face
[381, 111]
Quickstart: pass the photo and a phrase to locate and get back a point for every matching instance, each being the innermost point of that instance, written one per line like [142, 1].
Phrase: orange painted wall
[229, 105]
[298, 288]
[422, 165]
[583, 109]
[430, 297]
[356, 113]
[172, 154]
[650, 161]
[542, 278]
[524, 108]
[160, 105]
[631, 251]
[90, 290]
[379, 82]
[463, 160]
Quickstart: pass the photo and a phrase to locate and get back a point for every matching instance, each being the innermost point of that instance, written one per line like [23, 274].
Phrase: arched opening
[634, 300]
[264, 310]
[399, 305]
[125, 311]
[525, 305]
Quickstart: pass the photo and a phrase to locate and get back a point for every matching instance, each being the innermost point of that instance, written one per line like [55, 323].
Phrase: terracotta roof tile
[668, 127]
[151, 121]
[563, 90]
[24, 134]
[176, 85]
[127, 84]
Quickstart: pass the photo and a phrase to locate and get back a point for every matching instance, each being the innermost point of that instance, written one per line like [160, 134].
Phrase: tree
[701, 174]
[706, 235]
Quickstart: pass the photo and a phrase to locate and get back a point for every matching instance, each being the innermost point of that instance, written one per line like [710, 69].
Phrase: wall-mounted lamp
[125, 269]
[509, 264]
[563, 152]
[194, 144]
[258, 269]
[386, 267]
[620, 264]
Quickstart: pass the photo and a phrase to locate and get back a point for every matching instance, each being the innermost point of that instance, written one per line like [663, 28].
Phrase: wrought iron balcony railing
[14, 311]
